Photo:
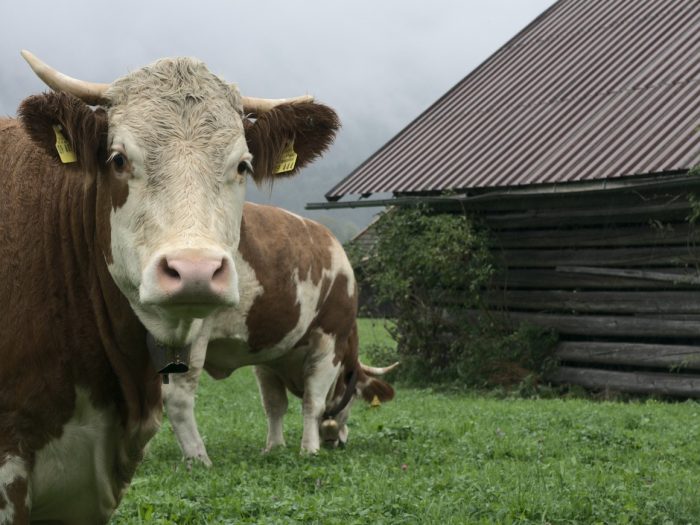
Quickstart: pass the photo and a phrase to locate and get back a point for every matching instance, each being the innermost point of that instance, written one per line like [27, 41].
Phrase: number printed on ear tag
[288, 159]
[65, 150]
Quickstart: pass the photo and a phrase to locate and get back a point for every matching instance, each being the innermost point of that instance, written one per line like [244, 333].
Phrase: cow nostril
[221, 272]
[171, 272]
[168, 270]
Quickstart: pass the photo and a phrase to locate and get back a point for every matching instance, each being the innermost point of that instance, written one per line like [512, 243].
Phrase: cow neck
[347, 396]
[122, 336]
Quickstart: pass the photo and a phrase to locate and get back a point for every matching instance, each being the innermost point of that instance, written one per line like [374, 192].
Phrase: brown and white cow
[296, 321]
[138, 236]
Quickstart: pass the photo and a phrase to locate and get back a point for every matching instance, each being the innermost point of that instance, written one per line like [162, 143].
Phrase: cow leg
[179, 398]
[274, 399]
[320, 374]
[14, 491]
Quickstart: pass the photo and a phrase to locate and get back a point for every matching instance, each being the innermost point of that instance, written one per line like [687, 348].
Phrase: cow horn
[261, 105]
[375, 371]
[89, 92]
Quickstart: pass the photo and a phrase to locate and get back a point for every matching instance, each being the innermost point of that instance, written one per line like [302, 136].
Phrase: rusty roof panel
[592, 89]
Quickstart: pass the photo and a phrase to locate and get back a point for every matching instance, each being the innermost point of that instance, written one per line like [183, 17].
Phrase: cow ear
[310, 128]
[378, 388]
[84, 130]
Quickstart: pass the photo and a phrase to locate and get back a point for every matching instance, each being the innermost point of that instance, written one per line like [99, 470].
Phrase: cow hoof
[270, 448]
[197, 460]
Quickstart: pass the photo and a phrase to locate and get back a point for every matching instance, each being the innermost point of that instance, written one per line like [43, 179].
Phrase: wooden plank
[634, 354]
[673, 275]
[582, 237]
[607, 325]
[561, 278]
[620, 302]
[629, 257]
[678, 385]
[536, 218]
[678, 317]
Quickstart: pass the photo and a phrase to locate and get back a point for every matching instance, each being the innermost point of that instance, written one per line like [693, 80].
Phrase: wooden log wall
[617, 275]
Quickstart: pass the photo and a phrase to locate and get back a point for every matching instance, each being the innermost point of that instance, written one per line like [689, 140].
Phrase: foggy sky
[378, 63]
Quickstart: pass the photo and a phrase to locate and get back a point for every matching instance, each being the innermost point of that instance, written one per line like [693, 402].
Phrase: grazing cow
[132, 237]
[295, 322]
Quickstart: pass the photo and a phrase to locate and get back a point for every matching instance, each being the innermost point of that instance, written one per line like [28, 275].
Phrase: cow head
[167, 152]
[364, 382]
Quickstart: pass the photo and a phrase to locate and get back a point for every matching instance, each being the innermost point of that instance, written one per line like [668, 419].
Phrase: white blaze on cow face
[178, 164]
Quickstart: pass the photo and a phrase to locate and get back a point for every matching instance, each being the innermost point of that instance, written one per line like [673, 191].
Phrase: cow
[296, 322]
[121, 208]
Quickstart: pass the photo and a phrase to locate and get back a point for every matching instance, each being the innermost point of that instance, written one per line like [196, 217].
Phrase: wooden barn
[575, 143]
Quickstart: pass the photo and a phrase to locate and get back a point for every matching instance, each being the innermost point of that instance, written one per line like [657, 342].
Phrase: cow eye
[245, 167]
[119, 162]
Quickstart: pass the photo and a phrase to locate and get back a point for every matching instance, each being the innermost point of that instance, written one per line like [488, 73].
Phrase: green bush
[419, 255]
[432, 269]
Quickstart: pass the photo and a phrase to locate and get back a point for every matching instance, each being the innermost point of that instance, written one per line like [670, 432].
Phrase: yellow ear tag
[65, 150]
[375, 402]
[288, 159]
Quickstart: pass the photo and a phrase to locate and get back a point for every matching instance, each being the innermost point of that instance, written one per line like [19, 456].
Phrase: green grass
[430, 457]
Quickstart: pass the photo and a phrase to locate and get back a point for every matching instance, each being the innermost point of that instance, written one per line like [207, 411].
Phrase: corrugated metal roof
[592, 89]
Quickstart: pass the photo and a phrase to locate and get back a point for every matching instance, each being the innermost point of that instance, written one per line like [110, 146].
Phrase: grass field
[430, 457]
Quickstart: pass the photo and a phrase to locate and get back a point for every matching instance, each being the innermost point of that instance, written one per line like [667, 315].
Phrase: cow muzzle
[191, 282]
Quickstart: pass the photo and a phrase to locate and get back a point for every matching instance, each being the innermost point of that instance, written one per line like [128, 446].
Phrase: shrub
[432, 269]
